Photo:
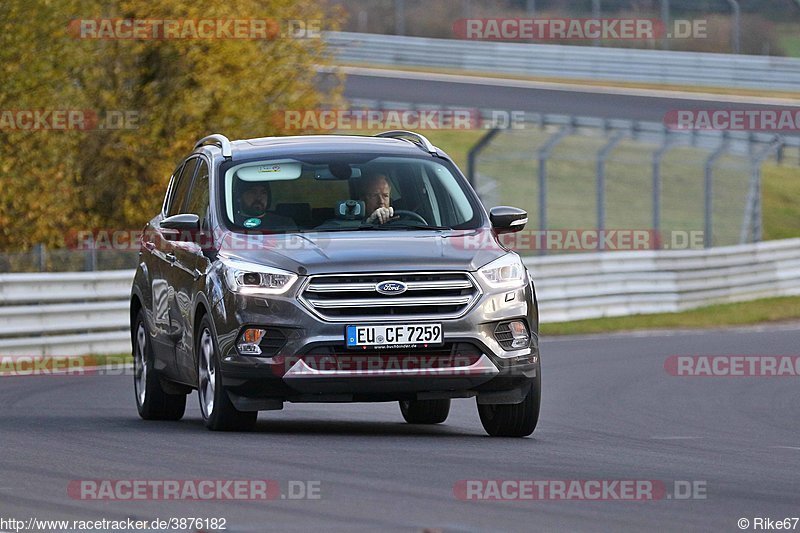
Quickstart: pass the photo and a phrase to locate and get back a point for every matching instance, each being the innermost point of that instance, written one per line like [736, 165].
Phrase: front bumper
[287, 375]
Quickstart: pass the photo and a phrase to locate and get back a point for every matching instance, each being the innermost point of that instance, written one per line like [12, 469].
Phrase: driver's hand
[381, 215]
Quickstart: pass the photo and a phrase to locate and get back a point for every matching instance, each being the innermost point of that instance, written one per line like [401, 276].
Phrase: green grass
[735, 314]
[781, 201]
[788, 39]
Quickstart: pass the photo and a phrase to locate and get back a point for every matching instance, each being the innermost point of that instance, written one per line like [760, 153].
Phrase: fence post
[595, 16]
[708, 187]
[473, 153]
[658, 156]
[736, 30]
[752, 214]
[602, 157]
[665, 20]
[90, 258]
[400, 17]
[543, 155]
[41, 255]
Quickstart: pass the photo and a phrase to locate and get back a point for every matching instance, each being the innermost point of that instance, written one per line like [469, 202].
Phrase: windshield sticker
[252, 222]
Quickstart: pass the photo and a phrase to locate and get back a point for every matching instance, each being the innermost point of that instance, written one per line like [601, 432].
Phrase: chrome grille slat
[390, 302]
[429, 295]
[370, 287]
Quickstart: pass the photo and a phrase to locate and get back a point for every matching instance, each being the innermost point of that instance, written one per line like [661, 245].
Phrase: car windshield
[339, 192]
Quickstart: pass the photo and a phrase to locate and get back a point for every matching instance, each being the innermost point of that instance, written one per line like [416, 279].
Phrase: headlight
[507, 272]
[252, 278]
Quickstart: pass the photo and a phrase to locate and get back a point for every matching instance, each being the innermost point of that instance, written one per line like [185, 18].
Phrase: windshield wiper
[388, 227]
[379, 227]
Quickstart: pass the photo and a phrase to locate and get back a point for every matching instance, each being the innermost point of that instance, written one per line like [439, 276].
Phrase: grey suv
[332, 269]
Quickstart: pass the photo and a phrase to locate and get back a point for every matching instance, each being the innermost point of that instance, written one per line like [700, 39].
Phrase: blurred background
[575, 159]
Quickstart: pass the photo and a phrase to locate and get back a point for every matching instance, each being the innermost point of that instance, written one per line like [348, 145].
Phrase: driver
[376, 194]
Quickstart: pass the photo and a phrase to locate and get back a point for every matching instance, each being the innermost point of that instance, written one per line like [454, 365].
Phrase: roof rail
[416, 138]
[219, 140]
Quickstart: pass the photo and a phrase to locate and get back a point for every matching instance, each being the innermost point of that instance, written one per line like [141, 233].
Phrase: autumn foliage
[163, 95]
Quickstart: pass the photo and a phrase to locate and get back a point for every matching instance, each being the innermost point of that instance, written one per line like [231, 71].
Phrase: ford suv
[332, 269]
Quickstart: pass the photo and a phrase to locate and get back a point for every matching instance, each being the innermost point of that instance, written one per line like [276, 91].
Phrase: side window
[170, 186]
[181, 187]
[198, 197]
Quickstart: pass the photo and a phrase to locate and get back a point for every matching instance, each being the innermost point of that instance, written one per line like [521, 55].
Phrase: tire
[514, 420]
[425, 411]
[219, 413]
[151, 400]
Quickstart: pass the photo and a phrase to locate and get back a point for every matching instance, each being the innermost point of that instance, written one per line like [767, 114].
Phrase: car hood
[366, 251]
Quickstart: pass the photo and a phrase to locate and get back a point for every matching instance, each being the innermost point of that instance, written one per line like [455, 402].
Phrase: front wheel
[219, 413]
[513, 420]
[425, 411]
[151, 400]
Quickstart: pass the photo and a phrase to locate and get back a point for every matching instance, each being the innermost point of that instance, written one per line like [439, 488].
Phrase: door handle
[171, 258]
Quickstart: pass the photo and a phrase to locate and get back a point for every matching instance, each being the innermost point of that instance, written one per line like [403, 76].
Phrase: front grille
[435, 295]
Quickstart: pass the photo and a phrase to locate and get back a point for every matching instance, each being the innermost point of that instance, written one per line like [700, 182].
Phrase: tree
[176, 90]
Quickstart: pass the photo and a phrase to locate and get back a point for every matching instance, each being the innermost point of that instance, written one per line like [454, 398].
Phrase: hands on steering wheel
[383, 215]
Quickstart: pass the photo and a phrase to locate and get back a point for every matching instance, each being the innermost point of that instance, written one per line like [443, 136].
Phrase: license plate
[394, 336]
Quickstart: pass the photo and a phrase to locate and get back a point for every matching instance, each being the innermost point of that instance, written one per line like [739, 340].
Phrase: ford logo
[391, 287]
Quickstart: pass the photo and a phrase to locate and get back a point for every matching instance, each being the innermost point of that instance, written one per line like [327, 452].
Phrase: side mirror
[183, 227]
[507, 219]
[182, 222]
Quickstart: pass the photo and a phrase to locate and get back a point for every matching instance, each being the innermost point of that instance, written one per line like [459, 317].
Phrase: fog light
[520, 334]
[513, 335]
[249, 341]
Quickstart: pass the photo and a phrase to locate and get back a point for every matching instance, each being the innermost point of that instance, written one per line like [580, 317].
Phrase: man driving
[376, 195]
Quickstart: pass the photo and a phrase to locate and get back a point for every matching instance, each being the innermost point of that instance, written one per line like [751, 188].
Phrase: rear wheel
[151, 400]
[219, 413]
[513, 420]
[425, 411]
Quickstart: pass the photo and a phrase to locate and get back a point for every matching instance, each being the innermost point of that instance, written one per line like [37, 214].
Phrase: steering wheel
[403, 213]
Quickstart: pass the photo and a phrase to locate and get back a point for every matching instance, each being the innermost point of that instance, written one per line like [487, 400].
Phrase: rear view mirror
[350, 209]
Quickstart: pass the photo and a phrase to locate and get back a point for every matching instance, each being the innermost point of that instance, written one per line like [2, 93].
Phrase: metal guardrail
[85, 313]
[65, 313]
[576, 62]
[624, 283]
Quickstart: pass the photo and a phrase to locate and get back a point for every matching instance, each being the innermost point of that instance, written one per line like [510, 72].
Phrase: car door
[190, 263]
[170, 283]
[154, 257]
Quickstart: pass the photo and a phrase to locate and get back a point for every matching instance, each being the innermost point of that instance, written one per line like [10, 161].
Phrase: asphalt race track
[489, 93]
[610, 412]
